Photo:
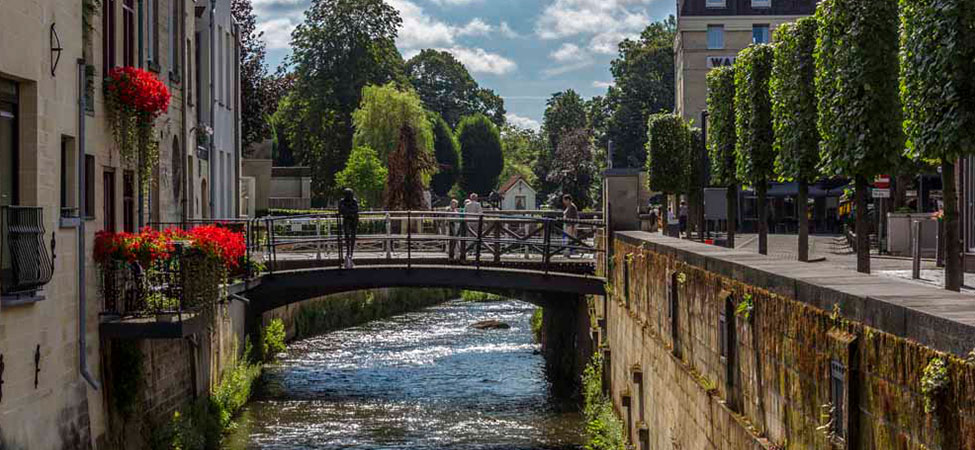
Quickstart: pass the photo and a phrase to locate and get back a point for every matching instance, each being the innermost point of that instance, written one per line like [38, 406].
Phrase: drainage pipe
[82, 299]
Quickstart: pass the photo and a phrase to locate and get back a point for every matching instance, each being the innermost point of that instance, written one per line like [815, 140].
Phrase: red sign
[882, 182]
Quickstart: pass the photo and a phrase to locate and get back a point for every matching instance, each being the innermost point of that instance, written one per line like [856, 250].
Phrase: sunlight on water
[423, 380]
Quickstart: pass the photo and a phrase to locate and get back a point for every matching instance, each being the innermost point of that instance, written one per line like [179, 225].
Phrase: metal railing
[428, 237]
[25, 265]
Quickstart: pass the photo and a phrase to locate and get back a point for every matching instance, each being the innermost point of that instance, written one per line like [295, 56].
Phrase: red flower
[150, 246]
[139, 90]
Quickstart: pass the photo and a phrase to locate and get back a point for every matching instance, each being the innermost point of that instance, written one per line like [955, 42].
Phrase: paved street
[832, 250]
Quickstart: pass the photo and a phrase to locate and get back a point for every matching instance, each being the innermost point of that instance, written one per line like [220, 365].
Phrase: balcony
[25, 264]
[165, 285]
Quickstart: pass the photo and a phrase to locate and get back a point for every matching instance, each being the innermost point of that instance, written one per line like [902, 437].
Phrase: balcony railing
[25, 265]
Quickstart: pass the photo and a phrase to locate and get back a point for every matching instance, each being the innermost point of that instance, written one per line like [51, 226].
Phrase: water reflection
[422, 380]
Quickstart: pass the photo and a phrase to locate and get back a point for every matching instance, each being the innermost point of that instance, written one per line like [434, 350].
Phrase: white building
[517, 194]
[217, 50]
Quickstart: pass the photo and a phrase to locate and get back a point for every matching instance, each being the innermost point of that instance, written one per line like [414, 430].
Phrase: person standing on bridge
[569, 216]
[349, 210]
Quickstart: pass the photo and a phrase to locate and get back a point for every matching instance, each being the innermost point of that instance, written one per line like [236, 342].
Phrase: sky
[525, 50]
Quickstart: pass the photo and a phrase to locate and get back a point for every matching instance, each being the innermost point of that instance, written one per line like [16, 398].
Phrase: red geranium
[150, 246]
[137, 89]
[220, 242]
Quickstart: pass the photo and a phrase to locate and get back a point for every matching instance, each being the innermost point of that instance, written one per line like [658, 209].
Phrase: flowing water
[422, 380]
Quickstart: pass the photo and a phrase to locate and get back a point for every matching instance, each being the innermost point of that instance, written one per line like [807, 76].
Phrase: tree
[564, 111]
[521, 147]
[753, 125]
[383, 113]
[447, 152]
[447, 88]
[857, 89]
[255, 95]
[573, 168]
[668, 140]
[722, 139]
[480, 149]
[937, 84]
[341, 47]
[794, 114]
[410, 168]
[365, 174]
[644, 85]
[696, 163]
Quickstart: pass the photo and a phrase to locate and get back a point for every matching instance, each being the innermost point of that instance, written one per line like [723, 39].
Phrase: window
[128, 33]
[9, 144]
[174, 39]
[189, 71]
[723, 335]
[152, 27]
[108, 200]
[198, 58]
[715, 37]
[674, 312]
[218, 88]
[69, 175]
[89, 206]
[128, 201]
[715, 4]
[837, 397]
[729, 344]
[108, 36]
[761, 3]
[760, 34]
[521, 202]
[228, 71]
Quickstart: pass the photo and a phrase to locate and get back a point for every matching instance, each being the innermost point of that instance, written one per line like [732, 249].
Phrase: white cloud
[420, 30]
[566, 68]
[523, 122]
[602, 84]
[476, 27]
[507, 31]
[568, 52]
[277, 32]
[606, 22]
[453, 2]
[478, 60]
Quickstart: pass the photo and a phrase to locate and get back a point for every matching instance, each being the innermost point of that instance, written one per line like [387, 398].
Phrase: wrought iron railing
[25, 265]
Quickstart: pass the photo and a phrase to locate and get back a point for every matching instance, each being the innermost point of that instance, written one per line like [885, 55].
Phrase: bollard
[916, 249]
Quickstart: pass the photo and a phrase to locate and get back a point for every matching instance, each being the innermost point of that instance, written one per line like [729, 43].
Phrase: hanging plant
[134, 99]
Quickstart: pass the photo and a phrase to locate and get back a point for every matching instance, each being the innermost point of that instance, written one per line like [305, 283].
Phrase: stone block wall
[787, 366]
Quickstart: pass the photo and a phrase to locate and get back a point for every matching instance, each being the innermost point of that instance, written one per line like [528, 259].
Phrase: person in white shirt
[473, 206]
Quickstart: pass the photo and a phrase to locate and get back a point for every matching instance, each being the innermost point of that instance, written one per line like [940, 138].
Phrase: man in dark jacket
[349, 210]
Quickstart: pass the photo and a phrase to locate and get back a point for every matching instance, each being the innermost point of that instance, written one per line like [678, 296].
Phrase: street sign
[882, 182]
[881, 193]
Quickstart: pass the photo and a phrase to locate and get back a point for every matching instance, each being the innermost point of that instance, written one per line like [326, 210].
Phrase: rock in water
[490, 325]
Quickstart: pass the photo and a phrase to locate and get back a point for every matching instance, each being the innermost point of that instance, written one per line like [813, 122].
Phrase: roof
[512, 182]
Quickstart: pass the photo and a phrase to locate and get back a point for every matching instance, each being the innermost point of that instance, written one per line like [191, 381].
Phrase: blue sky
[523, 49]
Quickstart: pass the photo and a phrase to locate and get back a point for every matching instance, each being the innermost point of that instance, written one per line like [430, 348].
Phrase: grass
[604, 431]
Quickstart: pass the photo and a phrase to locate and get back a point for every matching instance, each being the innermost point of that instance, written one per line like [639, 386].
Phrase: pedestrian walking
[682, 216]
[349, 211]
[453, 227]
[569, 216]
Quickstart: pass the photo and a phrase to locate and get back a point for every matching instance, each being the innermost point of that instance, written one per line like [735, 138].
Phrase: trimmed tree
[937, 81]
[721, 139]
[696, 178]
[365, 174]
[667, 141]
[794, 114]
[480, 149]
[857, 91]
[753, 125]
[446, 150]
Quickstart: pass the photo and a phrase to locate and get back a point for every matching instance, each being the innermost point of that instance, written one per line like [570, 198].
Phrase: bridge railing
[418, 237]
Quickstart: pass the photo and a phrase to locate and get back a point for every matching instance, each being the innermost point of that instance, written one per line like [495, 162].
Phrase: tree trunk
[901, 183]
[803, 221]
[732, 213]
[953, 259]
[701, 224]
[862, 225]
[761, 189]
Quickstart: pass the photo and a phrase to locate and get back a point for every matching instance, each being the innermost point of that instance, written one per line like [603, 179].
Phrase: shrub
[604, 431]
[536, 324]
[668, 139]
[234, 389]
[478, 296]
[274, 336]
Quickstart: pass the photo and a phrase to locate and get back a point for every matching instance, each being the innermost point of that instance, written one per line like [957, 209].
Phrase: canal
[421, 380]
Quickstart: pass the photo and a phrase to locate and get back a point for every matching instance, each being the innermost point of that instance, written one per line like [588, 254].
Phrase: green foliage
[564, 111]
[668, 140]
[482, 158]
[536, 324]
[478, 296]
[721, 125]
[753, 114]
[383, 113]
[793, 89]
[696, 163]
[856, 86]
[447, 152]
[521, 148]
[934, 381]
[234, 389]
[410, 169]
[644, 85]
[126, 368]
[365, 174]
[274, 335]
[745, 307]
[448, 89]
[573, 169]
[937, 77]
[604, 431]
[341, 47]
